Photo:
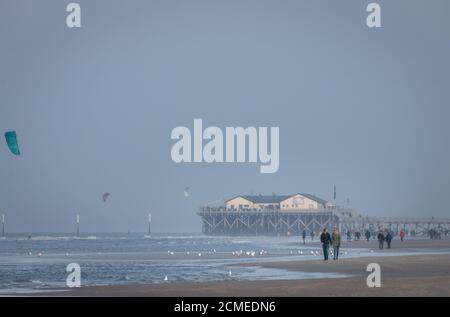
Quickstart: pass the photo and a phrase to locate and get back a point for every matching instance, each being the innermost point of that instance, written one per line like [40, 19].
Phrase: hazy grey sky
[365, 109]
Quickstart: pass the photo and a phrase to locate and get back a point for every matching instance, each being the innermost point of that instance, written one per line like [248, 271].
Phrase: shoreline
[402, 275]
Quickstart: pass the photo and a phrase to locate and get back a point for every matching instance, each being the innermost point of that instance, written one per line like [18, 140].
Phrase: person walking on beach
[312, 235]
[349, 235]
[388, 239]
[380, 238]
[367, 235]
[304, 236]
[336, 238]
[402, 235]
[325, 239]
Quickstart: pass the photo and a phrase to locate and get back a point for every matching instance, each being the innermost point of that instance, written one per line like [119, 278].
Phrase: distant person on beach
[349, 235]
[357, 235]
[312, 235]
[402, 235]
[336, 238]
[304, 236]
[388, 239]
[367, 235]
[325, 239]
[380, 238]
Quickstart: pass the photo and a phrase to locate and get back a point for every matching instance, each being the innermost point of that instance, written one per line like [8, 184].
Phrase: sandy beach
[403, 275]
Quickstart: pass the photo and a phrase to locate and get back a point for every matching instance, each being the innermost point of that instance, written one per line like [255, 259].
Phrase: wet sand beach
[417, 275]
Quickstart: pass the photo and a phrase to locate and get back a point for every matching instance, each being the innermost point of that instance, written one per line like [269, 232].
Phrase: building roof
[312, 197]
[264, 199]
[275, 199]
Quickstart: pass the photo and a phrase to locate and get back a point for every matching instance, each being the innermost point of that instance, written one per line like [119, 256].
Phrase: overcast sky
[365, 109]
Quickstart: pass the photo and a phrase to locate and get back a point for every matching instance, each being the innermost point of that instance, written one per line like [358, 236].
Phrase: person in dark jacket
[325, 239]
[380, 238]
[388, 239]
[367, 235]
[349, 235]
[336, 238]
[304, 236]
[312, 235]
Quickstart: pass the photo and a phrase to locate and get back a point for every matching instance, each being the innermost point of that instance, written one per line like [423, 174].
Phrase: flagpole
[149, 224]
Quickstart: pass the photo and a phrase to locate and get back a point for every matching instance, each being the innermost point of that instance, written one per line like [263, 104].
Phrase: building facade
[295, 202]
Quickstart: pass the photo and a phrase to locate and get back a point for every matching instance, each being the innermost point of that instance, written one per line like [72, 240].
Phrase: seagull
[30, 253]
[186, 191]
[166, 278]
[39, 254]
[187, 252]
[229, 273]
[199, 254]
[172, 253]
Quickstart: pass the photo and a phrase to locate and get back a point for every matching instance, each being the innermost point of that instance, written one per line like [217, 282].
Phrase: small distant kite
[11, 140]
[105, 197]
[186, 191]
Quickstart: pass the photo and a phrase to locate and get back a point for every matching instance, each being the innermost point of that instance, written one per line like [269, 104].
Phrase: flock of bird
[253, 253]
[239, 253]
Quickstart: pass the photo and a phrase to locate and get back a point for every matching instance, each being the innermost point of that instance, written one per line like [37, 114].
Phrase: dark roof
[274, 199]
[312, 197]
[265, 199]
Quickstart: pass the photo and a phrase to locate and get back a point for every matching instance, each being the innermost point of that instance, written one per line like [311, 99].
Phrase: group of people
[304, 236]
[334, 240]
[437, 233]
[357, 235]
[384, 236]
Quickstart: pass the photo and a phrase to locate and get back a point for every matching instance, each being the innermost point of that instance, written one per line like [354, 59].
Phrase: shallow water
[40, 263]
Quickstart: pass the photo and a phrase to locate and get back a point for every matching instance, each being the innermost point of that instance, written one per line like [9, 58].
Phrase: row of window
[311, 206]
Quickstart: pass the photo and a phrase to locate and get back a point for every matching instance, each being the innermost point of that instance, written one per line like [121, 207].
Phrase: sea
[39, 263]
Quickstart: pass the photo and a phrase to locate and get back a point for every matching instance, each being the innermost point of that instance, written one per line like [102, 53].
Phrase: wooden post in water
[3, 225]
[149, 224]
[78, 225]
